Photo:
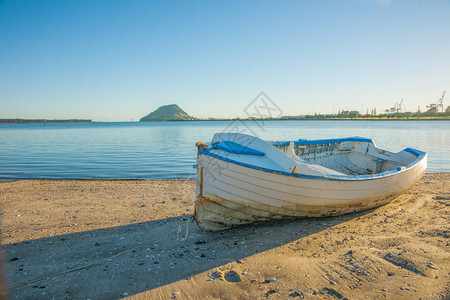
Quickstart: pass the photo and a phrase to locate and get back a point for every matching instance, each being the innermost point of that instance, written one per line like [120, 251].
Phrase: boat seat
[378, 165]
[291, 153]
[305, 168]
[314, 170]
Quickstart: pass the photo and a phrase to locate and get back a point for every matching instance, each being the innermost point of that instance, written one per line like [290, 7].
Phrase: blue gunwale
[419, 154]
[324, 141]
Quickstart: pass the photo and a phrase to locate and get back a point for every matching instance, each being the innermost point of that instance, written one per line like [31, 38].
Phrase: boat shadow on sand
[160, 261]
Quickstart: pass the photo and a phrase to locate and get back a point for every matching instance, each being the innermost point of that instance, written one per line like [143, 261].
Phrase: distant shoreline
[44, 121]
[446, 118]
[34, 121]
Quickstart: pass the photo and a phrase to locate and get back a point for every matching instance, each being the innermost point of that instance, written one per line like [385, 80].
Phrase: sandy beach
[397, 251]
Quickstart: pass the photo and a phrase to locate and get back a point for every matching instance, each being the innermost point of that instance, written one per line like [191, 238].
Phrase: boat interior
[347, 157]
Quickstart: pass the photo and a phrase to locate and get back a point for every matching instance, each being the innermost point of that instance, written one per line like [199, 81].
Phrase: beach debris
[123, 294]
[295, 294]
[14, 259]
[175, 293]
[332, 282]
[215, 275]
[333, 292]
[39, 287]
[430, 266]
[199, 242]
[232, 276]
[270, 292]
[399, 261]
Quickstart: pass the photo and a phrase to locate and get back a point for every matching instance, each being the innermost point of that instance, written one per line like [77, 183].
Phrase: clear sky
[120, 60]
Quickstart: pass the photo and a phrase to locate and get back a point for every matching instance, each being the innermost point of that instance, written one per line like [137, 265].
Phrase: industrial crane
[438, 104]
[397, 107]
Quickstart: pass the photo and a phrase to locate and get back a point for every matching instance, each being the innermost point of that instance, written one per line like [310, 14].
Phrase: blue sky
[120, 60]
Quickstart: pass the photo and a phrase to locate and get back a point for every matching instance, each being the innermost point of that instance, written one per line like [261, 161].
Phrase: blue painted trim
[325, 141]
[378, 159]
[233, 147]
[414, 151]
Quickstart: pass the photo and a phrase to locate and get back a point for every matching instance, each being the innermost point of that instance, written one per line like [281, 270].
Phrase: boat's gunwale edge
[419, 154]
[324, 141]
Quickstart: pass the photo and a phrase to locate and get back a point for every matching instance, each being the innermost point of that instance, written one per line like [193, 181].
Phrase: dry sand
[398, 251]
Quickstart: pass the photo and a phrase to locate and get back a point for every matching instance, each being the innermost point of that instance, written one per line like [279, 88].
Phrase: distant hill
[170, 112]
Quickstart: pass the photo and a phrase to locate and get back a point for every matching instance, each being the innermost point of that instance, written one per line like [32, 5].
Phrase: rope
[179, 238]
[110, 257]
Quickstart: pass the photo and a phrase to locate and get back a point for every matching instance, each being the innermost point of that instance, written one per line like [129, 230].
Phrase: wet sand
[397, 251]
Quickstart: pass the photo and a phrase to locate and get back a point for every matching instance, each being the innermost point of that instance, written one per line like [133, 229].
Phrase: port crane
[396, 109]
[439, 104]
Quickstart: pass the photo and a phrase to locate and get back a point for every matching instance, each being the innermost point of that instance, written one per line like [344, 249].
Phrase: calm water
[165, 150]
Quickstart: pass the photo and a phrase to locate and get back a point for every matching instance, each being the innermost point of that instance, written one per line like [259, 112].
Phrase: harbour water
[165, 150]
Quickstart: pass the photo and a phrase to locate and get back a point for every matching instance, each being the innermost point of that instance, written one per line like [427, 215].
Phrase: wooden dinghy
[242, 179]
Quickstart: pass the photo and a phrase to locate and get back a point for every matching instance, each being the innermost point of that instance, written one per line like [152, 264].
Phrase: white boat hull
[229, 194]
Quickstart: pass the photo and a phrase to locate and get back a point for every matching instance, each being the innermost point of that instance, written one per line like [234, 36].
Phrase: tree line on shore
[431, 113]
[43, 121]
